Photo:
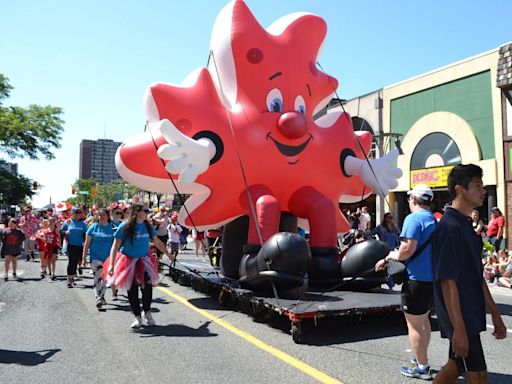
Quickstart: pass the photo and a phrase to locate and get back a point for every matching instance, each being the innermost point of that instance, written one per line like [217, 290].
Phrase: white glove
[187, 157]
[384, 169]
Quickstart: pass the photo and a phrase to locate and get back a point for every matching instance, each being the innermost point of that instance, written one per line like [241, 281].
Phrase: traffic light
[35, 185]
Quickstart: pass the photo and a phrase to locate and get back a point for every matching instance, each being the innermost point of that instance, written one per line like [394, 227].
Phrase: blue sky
[96, 58]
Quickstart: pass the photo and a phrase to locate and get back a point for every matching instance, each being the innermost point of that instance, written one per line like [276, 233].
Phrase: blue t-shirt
[419, 226]
[139, 247]
[77, 230]
[388, 236]
[102, 239]
[457, 256]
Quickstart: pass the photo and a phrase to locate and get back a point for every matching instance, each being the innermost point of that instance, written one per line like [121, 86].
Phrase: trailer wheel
[296, 332]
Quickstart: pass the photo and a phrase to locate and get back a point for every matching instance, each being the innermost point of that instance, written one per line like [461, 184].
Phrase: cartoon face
[256, 105]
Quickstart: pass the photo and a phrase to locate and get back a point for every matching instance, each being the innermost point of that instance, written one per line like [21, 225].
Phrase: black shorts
[475, 361]
[417, 297]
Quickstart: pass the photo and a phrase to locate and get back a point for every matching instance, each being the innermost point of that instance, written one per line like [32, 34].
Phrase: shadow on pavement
[207, 303]
[25, 357]
[176, 330]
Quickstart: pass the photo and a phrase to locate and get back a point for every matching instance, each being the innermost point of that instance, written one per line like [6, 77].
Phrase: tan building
[452, 115]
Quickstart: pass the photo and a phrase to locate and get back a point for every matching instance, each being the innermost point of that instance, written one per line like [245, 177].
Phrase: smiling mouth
[289, 150]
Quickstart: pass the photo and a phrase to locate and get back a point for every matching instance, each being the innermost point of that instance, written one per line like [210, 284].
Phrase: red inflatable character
[241, 137]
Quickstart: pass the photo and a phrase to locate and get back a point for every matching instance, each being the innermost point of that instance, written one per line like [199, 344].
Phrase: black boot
[324, 268]
[283, 259]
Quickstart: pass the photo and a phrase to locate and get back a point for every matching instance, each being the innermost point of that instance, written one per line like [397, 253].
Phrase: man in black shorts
[461, 295]
[417, 298]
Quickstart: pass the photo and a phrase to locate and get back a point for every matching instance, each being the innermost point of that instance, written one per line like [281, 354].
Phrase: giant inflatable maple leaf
[246, 125]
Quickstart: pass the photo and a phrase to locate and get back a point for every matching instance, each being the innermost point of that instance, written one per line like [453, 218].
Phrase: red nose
[292, 125]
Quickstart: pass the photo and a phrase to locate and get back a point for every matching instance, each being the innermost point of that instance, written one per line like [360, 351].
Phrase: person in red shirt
[495, 228]
[52, 240]
[41, 246]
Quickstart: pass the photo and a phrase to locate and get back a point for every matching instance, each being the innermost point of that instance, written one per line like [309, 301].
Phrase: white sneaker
[149, 319]
[137, 323]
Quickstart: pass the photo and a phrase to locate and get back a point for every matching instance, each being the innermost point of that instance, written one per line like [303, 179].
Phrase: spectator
[364, 220]
[198, 237]
[161, 222]
[417, 296]
[506, 279]
[174, 234]
[388, 231]
[478, 226]
[460, 293]
[495, 228]
[12, 238]
[491, 268]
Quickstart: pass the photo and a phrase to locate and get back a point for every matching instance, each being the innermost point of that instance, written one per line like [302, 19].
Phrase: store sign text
[433, 177]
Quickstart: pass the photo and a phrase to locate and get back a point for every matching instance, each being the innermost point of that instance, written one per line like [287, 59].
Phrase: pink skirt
[128, 269]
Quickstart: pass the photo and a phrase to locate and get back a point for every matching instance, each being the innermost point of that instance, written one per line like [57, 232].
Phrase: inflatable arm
[384, 176]
[186, 156]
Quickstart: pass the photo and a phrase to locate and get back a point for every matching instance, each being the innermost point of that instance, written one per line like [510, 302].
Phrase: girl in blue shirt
[133, 266]
[98, 241]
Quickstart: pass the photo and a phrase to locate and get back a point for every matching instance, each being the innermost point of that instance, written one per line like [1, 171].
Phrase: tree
[116, 190]
[33, 132]
[14, 189]
[84, 188]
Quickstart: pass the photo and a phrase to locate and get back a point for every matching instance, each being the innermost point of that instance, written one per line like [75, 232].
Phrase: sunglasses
[118, 213]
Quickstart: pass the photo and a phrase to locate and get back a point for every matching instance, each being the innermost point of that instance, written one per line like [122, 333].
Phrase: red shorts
[200, 236]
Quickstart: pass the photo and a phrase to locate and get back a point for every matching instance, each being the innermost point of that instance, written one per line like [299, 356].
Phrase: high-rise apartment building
[9, 167]
[97, 160]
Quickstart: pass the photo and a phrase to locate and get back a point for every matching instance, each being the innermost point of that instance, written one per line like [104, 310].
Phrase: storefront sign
[433, 177]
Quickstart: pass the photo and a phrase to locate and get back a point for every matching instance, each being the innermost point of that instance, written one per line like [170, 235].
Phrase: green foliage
[14, 189]
[84, 191]
[107, 193]
[34, 131]
[101, 195]
[488, 247]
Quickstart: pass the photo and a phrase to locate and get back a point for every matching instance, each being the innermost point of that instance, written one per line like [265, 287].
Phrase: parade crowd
[122, 244]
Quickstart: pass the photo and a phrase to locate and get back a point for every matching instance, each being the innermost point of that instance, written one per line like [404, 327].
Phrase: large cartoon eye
[275, 101]
[300, 104]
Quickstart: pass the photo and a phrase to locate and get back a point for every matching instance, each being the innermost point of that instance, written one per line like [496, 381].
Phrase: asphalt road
[52, 334]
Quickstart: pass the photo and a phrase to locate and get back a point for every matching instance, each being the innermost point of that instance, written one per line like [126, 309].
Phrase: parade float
[249, 139]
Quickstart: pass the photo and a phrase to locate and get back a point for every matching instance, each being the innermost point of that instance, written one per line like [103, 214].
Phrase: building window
[435, 150]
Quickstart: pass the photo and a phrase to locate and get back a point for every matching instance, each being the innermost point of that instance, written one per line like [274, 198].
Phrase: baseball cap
[422, 192]
[76, 210]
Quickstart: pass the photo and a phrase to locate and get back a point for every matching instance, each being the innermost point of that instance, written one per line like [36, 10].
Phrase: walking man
[417, 296]
[461, 295]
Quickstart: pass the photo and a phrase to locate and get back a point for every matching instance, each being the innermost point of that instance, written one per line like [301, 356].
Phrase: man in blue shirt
[417, 297]
[460, 293]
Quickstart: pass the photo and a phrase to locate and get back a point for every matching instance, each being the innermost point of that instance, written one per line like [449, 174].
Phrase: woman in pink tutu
[133, 267]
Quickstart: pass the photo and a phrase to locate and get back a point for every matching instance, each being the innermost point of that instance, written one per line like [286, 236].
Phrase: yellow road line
[301, 366]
